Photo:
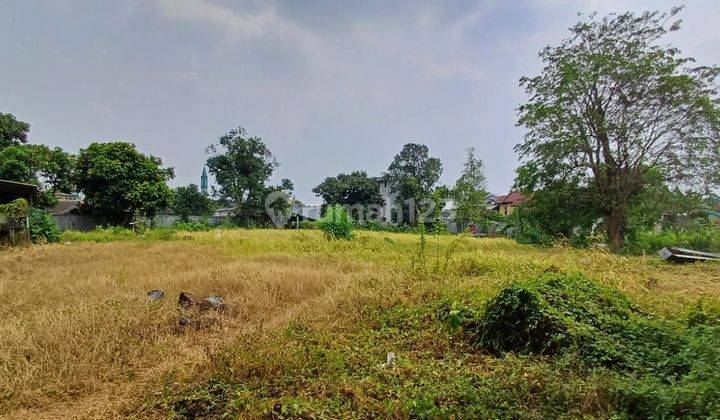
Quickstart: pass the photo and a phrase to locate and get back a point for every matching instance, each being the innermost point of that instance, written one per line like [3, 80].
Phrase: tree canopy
[189, 201]
[610, 103]
[50, 169]
[469, 191]
[12, 131]
[242, 166]
[119, 182]
[412, 175]
[356, 188]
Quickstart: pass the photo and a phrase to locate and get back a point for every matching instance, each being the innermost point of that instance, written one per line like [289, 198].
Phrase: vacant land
[307, 330]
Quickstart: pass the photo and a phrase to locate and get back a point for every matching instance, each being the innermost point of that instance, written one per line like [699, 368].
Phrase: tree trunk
[616, 227]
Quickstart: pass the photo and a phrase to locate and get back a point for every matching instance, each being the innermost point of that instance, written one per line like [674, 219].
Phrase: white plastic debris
[390, 360]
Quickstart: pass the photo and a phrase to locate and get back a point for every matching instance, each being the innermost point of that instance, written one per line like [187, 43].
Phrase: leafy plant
[305, 224]
[43, 227]
[192, 226]
[15, 209]
[337, 223]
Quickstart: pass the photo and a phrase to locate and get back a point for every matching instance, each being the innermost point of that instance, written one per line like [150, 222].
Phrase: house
[506, 204]
[223, 212]
[307, 212]
[64, 206]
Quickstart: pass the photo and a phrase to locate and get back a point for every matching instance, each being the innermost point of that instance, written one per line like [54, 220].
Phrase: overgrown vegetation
[43, 228]
[659, 368]
[337, 223]
[310, 323]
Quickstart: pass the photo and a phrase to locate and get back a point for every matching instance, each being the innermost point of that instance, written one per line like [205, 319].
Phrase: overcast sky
[330, 86]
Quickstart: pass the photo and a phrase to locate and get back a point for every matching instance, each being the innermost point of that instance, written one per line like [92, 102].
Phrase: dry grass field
[308, 322]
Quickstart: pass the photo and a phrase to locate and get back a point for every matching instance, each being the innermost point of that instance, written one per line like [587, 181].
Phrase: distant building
[305, 212]
[64, 206]
[204, 182]
[388, 196]
[506, 204]
[223, 212]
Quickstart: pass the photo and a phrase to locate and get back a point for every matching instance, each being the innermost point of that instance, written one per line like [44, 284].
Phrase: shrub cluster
[43, 227]
[701, 238]
[662, 368]
[191, 226]
[337, 223]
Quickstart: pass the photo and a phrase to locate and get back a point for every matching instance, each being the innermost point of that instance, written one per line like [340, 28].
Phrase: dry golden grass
[79, 337]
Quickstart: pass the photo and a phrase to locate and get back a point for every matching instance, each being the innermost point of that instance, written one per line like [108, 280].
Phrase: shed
[11, 190]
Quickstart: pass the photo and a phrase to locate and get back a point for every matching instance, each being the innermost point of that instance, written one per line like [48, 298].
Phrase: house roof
[11, 190]
[64, 206]
[514, 198]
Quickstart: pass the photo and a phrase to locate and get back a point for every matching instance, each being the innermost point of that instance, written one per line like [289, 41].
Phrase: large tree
[354, 189]
[412, 176]
[611, 102]
[189, 201]
[469, 192]
[242, 166]
[50, 169]
[12, 131]
[119, 182]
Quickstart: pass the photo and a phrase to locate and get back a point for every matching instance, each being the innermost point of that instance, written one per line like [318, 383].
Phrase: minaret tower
[204, 182]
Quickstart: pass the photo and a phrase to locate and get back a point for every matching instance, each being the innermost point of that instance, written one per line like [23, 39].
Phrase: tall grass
[80, 337]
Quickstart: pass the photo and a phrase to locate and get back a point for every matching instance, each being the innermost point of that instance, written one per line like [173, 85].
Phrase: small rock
[156, 294]
[390, 360]
[187, 300]
[212, 302]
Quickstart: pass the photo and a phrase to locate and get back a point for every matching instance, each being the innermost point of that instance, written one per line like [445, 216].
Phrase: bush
[43, 227]
[571, 314]
[337, 223]
[700, 238]
[191, 226]
[659, 368]
[305, 224]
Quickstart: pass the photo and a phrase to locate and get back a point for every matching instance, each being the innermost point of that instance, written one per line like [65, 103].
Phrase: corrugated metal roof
[11, 190]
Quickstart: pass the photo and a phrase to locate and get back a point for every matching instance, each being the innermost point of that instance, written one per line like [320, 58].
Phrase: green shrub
[337, 223]
[560, 314]
[660, 368]
[305, 224]
[701, 238]
[43, 227]
[191, 226]
[15, 209]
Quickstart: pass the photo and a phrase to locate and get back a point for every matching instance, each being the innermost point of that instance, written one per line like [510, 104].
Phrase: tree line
[621, 128]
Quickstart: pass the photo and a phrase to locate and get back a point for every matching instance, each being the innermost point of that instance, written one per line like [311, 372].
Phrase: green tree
[412, 175]
[658, 200]
[356, 189]
[562, 207]
[242, 166]
[613, 101]
[469, 191]
[120, 182]
[50, 169]
[189, 201]
[12, 131]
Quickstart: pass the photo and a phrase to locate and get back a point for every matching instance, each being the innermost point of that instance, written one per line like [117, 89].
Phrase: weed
[337, 223]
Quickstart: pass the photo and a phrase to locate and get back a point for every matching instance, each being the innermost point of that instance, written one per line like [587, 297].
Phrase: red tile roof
[512, 198]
